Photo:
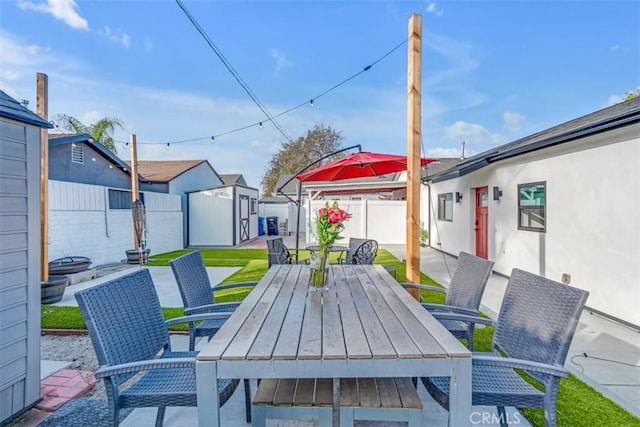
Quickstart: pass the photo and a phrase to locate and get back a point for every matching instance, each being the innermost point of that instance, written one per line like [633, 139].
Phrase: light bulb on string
[312, 103]
[260, 125]
[93, 159]
[110, 166]
[168, 146]
[213, 138]
[126, 145]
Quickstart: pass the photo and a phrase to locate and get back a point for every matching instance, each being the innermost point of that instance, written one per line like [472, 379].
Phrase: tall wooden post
[134, 183]
[42, 107]
[414, 131]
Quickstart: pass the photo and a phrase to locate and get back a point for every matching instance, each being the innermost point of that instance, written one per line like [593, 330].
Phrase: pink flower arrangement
[330, 223]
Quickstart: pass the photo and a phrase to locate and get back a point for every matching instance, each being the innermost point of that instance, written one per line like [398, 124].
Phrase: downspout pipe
[298, 202]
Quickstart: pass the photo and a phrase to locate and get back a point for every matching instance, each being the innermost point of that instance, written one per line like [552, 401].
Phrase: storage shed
[19, 258]
[223, 216]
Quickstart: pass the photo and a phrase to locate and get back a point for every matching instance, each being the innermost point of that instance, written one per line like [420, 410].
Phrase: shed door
[244, 218]
[482, 221]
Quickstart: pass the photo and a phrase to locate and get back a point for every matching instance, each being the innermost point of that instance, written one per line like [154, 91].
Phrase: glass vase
[319, 270]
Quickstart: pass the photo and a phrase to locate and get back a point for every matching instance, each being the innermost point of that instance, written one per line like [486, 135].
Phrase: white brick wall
[79, 224]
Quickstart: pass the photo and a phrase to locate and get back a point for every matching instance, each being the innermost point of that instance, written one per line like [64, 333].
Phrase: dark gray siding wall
[95, 172]
[19, 267]
[155, 187]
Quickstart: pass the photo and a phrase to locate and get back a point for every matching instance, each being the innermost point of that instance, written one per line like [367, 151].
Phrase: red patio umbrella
[359, 165]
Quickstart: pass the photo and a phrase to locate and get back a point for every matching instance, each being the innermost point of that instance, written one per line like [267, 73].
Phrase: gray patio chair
[278, 253]
[537, 320]
[198, 294]
[464, 294]
[131, 339]
[198, 297]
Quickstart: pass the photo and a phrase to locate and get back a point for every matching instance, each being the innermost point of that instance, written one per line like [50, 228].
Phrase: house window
[445, 207]
[77, 154]
[254, 206]
[532, 206]
[121, 199]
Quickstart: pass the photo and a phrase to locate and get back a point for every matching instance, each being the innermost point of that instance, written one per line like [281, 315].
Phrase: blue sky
[493, 71]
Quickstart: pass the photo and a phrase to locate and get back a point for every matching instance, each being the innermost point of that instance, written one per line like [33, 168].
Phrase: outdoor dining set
[311, 356]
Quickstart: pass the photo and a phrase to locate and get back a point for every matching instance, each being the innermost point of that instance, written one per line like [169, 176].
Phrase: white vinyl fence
[381, 220]
[82, 223]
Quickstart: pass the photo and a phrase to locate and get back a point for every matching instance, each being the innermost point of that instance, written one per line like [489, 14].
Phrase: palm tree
[101, 131]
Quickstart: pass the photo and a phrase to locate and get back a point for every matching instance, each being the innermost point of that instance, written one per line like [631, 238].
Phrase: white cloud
[460, 55]
[474, 135]
[614, 99]
[442, 152]
[618, 48]
[281, 59]
[433, 8]
[513, 121]
[63, 10]
[118, 36]
[10, 75]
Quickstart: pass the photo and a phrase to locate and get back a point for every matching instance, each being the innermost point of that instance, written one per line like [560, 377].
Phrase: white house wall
[211, 217]
[592, 222]
[80, 223]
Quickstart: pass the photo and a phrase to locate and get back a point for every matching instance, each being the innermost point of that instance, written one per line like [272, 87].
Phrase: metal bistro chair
[365, 253]
[354, 244]
[198, 297]
[537, 320]
[464, 294]
[131, 338]
[279, 253]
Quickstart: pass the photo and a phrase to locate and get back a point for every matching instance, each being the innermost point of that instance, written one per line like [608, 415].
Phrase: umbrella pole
[298, 202]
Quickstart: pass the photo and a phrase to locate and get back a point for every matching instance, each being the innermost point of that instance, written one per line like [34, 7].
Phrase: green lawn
[578, 404]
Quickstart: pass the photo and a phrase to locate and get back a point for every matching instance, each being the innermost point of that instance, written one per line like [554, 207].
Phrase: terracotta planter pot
[52, 291]
[133, 256]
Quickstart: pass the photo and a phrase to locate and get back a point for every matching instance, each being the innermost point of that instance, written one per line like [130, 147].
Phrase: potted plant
[52, 290]
[424, 236]
[133, 256]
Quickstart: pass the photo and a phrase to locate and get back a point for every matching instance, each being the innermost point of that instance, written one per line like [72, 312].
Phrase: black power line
[233, 72]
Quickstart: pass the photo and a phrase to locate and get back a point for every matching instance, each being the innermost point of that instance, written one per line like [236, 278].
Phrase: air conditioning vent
[77, 154]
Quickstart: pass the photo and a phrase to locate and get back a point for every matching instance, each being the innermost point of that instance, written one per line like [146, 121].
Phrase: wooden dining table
[365, 325]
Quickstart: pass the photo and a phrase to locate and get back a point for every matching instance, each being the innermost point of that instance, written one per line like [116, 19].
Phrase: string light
[310, 103]
[110, 166]
[213, 139]
[168, 146]
[93, 159]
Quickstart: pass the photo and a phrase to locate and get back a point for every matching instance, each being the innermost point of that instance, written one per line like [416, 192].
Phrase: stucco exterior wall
[592, 217]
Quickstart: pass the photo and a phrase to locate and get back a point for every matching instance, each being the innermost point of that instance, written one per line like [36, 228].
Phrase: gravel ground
[76, 349]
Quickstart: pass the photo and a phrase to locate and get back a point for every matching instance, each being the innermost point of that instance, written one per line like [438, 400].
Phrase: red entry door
[482, 221]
